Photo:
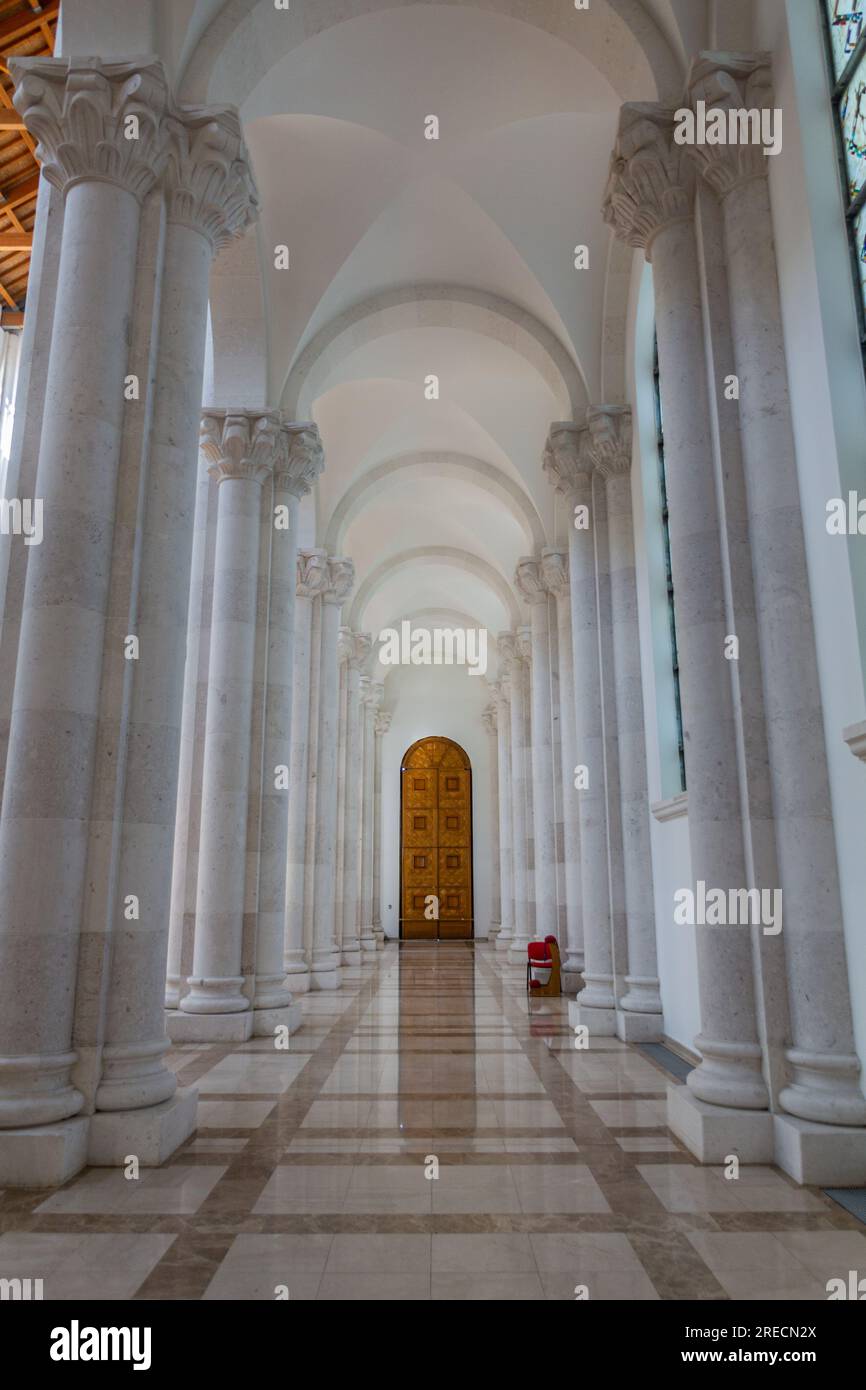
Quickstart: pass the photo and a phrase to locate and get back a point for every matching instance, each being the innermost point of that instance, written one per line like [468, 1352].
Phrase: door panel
[436, 849]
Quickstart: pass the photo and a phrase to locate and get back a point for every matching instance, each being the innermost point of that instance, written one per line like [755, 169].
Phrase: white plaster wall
[447, 701]
[677, 951]
[828, 401]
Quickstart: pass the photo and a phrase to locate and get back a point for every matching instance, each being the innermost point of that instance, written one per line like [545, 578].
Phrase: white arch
[247, 38]
[445, 554]
[432, 306]
[431, 464]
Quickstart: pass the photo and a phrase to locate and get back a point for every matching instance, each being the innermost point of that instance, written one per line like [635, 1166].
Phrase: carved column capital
[209, 180]
[529, 580]
[554, 567]
[729, 83]
[341, 579]
[489, 716]
[566, 463]
[609, 443]
[524, 643]
[312, 573]
[509, 656]
[651, 180]
[303, 459]
[355, 648]
[95, 121]
[241, 444]
[383, 722]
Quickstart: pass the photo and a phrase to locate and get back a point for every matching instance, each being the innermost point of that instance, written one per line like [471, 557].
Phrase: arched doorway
[435, 842]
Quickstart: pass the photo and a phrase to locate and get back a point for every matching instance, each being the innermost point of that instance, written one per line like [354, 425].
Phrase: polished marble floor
[427, 1136]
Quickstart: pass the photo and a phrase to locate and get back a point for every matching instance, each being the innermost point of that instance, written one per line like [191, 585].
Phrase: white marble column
[244, 447]
[209, 199]
[555, 567]
[371, 698]
[299, 466]
[312, 577]
[490, 717]
[381, 727]
[505, 936]
[357, 647]
[530, 583]
[824, 1085]
[325, 973]
[512, 663]
[524, 651]
[649, 202]
[77, 109]
[569, 469]
[639, 1010]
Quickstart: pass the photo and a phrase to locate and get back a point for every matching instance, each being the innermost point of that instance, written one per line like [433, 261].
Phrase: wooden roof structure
[28, 29]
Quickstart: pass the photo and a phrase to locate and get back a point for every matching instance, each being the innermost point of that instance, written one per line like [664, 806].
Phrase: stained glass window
[846, 45]
[666, 535]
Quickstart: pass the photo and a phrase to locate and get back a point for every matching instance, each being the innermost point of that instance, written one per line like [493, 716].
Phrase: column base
[351, 956]
[713, 1132]
[207, 1028]
[220, 995]
[821, 1155]
[298, 982]
[326, 978]
[380, 938]
[638, 1027]
[368, 940]
[151, 1134]
[572, 981]
[290, 1016]
[44, 1156]
[600, 1022]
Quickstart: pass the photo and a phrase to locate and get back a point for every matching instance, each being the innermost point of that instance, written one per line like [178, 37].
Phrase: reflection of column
[568, 468]
[824, 1084]
[490, 722]
[326, 962]
[244, 447]
[371, 699]
[640, 1009]
[650, 203]
[312, 578]
[210, 197]
[356, 647]
[513, 665]
[530, 582]
[506, 867]
[297, 471]
[555, 563]
[78, 110]
[383, 724]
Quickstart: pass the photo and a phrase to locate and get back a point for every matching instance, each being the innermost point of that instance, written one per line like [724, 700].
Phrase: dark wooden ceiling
[28, 29]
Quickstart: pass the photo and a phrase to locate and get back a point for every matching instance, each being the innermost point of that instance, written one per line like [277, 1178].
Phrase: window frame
[666, 541]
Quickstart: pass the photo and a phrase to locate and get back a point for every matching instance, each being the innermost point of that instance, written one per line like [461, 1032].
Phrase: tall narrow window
[668, 574]
[846, 45]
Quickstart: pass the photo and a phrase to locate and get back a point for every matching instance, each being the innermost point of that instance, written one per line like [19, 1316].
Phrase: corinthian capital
[209, 181]
[312, 573]
[554, 567]
[529, 580]
[95, 121]
[241, 444]
[609, 444]
[383, 722]
[524, 643]
[341, 578]
[303, 460]
[651, 180]
[739, 85]
[566, 462]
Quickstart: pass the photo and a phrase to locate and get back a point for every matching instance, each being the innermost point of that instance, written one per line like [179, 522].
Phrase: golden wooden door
[436, 841]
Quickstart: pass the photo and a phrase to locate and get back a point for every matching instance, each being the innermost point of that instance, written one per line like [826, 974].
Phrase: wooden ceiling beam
[18, 26]
[10, 120]
[16, 241]
[11, 318]
[20, 192]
